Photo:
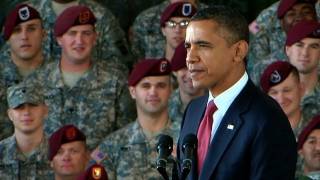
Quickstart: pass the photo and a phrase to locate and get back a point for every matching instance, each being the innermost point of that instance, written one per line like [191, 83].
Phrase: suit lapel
[228, 128]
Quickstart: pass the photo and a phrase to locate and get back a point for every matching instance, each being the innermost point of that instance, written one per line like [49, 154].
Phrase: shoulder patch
[98, 156]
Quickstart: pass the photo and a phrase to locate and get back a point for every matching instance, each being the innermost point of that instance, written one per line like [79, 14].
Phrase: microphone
[164, 148]
[189, 145]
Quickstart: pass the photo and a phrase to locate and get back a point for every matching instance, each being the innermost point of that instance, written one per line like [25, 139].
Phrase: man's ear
[132, 91]
[241, 50]
[10, 115]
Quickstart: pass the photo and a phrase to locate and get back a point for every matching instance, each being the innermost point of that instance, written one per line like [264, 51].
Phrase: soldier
[185, 92]
[174, 21]
[269, 42]
[309, 150]
[303, 51]
[24, 34]
[280, 80]
[68, 153]
[147, 38]
[131, 151]
[111, 44]
[24, 154]
[79, 89]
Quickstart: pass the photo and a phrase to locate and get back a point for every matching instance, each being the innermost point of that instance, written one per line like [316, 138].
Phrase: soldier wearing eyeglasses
[156, 34]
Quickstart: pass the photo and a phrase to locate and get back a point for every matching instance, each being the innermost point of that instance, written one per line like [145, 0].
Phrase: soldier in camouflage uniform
[303, 51]
[185, 92]
[269, 41]
[174, 21]
[79, 89]
[24, 34]
[24, 155]
[280, 80]
[130, 153]
[147, 38]
[111, 44]
[309, 150]
[68, 153]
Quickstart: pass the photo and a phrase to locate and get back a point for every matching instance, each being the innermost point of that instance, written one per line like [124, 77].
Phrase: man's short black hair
[232, 25]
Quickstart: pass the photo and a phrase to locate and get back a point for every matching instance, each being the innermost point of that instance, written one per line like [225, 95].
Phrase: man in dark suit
[247, 136]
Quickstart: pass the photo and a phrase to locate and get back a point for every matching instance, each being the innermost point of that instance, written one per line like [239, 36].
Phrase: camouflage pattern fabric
[98, 104]
[147, 40]
[111, 43]
[129, 154]
[269, 42]
[176, 108]
[9, 75]
[15, 165]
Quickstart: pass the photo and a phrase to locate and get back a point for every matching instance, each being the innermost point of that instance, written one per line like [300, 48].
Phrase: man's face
[152, 94]
[185, 83]
[287, 94]
[28, 118]
[310, 151]
[300, 11]
[175, 31]
[211, 61]
[26, 40]
[70, 160]
[305, 55]
[77, 44]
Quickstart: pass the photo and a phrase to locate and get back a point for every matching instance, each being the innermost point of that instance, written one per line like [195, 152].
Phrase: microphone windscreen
[189, 140]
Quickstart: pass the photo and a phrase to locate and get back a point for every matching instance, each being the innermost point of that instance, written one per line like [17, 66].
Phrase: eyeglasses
[173, 24]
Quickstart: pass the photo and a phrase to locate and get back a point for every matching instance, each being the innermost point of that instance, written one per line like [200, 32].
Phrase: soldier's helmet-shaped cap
[73, 16]
[21, 13]
[66, 134]
[22, 93]
[178, 9]
[302, 30]
[274, 74]
[149, 67]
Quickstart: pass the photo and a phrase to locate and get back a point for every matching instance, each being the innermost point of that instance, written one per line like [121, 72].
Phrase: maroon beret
[302, 30]
[312, 125]
[178, 9]
[149, 67]
[94, 172]
[274, 74]
[73, 16]
[286, 5]
[65, 134]
[21, 13]
[178, 60]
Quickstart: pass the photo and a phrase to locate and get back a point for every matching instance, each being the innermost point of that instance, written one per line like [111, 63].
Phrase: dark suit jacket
[261, 144]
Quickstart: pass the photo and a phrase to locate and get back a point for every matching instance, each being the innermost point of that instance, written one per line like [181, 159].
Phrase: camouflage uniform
[126, 10]
[5, 125]
[269, 42]
[311, 103]
[176, 108]
[9, 75]
[147, 40]
[129, 154]
[98, 104]
[111, 43]
[15, 166]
